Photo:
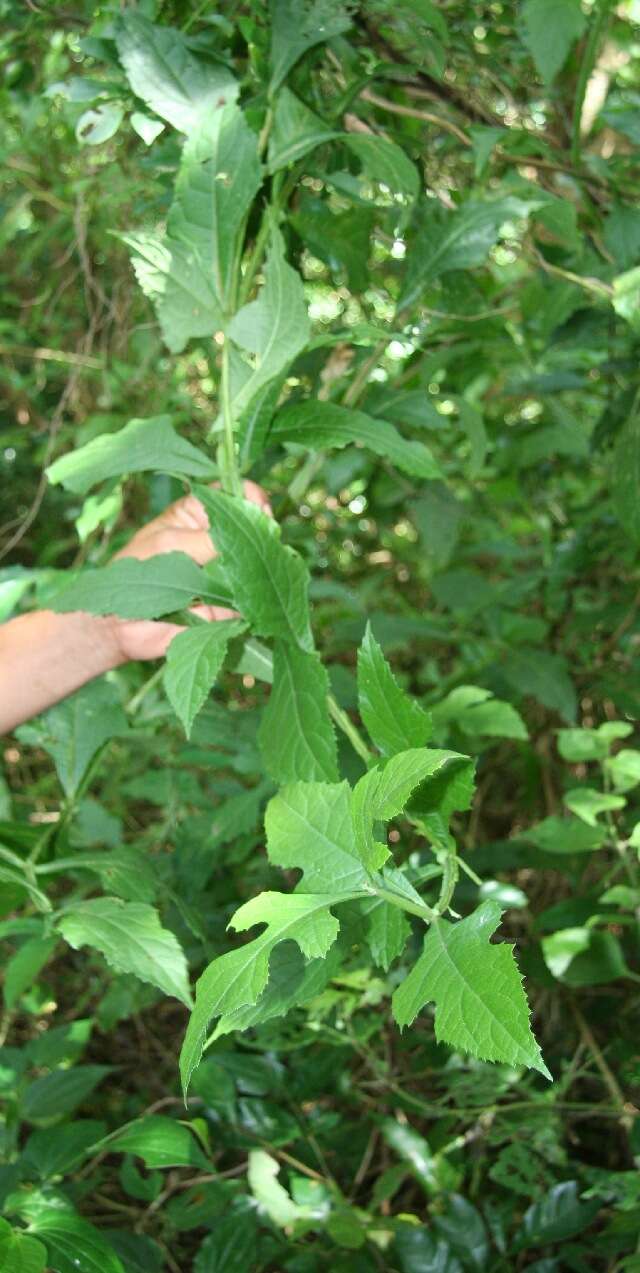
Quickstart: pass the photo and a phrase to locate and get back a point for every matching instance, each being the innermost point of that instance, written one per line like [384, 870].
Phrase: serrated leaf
[160, 1142]
[297, 26]
[164, 73]
[291, 982]
[296, 734]
[454, 241]
[551, 28]
[274, 328]
[269, 581]
[172, 277]
[295, 131]
[142, 446]
[219, 175]
[384, 161]
[309, 828]
[238, 977]
[75, 729]
[394, 720]
[387, 931]
[194, 659]
[136, 589]
[480, 1005]
[384, 791]
[132, 940]
[190, 273]
[323, 425]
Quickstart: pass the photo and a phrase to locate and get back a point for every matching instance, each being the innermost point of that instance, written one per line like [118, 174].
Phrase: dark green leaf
[296, 735]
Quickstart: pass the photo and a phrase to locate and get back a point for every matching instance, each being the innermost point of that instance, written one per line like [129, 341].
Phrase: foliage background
[518, 574]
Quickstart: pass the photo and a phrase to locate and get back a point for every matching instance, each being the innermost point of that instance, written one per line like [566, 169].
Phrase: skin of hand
[46, 656]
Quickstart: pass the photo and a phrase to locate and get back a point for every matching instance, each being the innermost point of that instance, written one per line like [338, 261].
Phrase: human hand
[182, 527]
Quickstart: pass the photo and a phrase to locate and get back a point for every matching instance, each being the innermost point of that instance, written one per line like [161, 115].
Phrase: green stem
[227, 460]
[346, 725]
[450, 875]
[423, 911]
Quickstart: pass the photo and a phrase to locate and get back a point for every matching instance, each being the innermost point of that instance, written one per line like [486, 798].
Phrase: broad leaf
[171, 276]
[23, 969]
[626, 476]
[551, 28]
[239, 977]
[20, 1253]
[269, 581]
[61, 1091]
[73, 1245]
[476, 713]
[194, 659]
[298, 25]
[218, 178]
[274, 328]
[291, 982]
[386, 163]
[296, 735]
[160, 1142]
[323, 425]
[454, 241]
[164, 73]
[55, 1155]
[394, 720]
[142, 446]
[384, 791]
[132, 940]
[480, 1005]
[269, 1194]
[295, 131]
[387, 930]
[74, 730]
[230, 1245]
[136, 589]
[309, 828]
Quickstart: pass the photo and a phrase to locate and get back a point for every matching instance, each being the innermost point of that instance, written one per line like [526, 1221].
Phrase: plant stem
[587, 63]
[423, 911]
[346, 725]
[227, 460]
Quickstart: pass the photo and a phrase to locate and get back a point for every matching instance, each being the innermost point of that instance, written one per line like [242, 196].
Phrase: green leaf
[558, 1215]
[132, 940]
[99, 123]
[384, 791]
[478, 714]
[20, 1253]
[73, 1245]
[454, 241]
[269, 581]
[160, 1142]
[309, 828]
[395, 721]
[295, 131]
[323, 425]
[565, 836]
[136, 589]
[55, 1155]
[543, 675]
[194, 659]
[146, 128]
[173, 278]
[386, 163]
[239, 976]
[142, 446]
[219, 176]
[387, 931]
[73, 731]
[274, 328]
[60, 1092]
[626, 297]
[626, 477]
[291, 982]
[22, 970]
[622, 235]
[551, 28]
[297, 26]
[162, 71]
[230, 1247]
[480, 1005]
[296, 734]
[587, 803]
[190, 275]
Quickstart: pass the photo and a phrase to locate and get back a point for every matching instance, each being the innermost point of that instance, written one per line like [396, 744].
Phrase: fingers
[256, 495]
[213, 613]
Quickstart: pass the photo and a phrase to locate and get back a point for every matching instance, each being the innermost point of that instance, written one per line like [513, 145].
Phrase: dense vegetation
[382, 258]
